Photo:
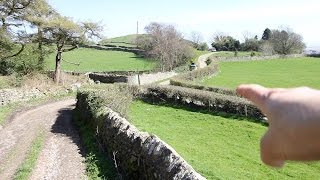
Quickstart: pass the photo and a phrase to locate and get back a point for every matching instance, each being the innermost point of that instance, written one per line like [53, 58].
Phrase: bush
[236, 54]
[208, 61]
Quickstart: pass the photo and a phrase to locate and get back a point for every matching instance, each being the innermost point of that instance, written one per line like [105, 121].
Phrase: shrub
[208, 61]
[236, 54]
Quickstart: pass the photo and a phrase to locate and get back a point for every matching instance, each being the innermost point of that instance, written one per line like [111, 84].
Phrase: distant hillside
[128, 41]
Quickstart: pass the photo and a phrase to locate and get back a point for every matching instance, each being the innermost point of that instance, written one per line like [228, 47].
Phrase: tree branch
[70, 49]
[16, 54]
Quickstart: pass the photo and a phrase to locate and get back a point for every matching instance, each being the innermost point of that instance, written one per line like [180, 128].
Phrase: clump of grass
[25, 169]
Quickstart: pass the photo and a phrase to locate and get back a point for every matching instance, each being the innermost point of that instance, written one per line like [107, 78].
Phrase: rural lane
[201, 64]
[60, 157]
[202, 59]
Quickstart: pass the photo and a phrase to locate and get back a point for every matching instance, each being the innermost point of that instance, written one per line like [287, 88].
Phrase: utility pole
[137, 27]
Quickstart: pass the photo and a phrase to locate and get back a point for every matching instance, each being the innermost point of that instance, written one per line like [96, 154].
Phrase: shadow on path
[65, 126]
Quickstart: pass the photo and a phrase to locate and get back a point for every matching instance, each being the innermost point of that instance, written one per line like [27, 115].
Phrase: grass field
[231, 53]
[100, 61]
[217, 147]
[270, 73]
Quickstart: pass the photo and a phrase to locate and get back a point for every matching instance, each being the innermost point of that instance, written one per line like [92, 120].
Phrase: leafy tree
[203, 47]
[225, 43]
[266, 34]
[251, 44]
[67, 36]
[285, 41]
[39, 14]
[11, 15]
[50, 27]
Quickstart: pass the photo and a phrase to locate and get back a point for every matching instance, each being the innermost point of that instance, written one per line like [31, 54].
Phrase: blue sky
[232, 17]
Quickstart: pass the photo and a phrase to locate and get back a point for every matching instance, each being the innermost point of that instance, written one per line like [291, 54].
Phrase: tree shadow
[84, 137]
[65, 126]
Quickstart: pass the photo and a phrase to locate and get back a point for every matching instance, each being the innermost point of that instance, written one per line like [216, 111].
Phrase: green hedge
[185, 80]
[198, 99]
[219, 90]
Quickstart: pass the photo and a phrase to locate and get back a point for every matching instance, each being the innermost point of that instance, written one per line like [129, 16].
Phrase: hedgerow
[199, 99]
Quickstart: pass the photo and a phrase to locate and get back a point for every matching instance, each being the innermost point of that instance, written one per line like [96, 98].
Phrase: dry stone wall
[138, 155]
[13, 95]
[256, 58]
[132, 79]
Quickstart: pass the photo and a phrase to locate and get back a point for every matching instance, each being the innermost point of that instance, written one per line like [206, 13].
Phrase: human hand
[294, 122]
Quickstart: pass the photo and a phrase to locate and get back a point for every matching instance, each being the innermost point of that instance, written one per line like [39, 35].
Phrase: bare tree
[164, 43]
[285, 41]
[196, 37]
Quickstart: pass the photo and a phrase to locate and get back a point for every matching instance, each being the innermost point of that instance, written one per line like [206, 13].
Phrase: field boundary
[137, 154]
[257, 58]
[202, 100]
[116, 48]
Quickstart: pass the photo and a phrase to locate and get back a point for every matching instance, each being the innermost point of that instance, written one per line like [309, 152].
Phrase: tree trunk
[40, 49]
[58, 66]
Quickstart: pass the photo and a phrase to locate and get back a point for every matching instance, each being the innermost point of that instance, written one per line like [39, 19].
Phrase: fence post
[245, 110]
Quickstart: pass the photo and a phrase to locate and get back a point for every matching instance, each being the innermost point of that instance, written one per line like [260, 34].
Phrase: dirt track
[60, 157]
[202, 59]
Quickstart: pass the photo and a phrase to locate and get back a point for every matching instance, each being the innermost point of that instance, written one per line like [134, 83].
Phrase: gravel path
[201, 64]
[60, 157]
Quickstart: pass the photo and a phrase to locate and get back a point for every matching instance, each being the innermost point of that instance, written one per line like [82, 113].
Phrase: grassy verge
[25, 169]
[92, 60]
[289, 72]
[98, 165]
[217, 147]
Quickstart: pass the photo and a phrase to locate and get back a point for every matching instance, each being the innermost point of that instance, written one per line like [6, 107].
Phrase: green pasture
[217, 147]
[291, 72]
[100, 61]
